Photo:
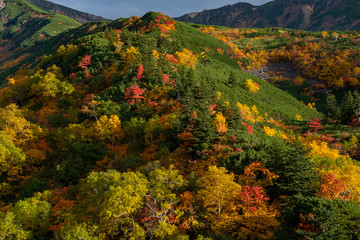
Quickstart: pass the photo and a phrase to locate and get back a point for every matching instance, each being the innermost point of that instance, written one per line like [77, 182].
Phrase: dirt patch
[272, 70]
[285, 71]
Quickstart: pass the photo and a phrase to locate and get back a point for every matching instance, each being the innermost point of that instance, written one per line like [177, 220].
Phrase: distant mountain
[24, 25]
[298, 14]
[79, 16]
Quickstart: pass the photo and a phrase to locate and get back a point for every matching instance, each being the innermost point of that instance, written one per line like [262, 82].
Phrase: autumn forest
[150, 128]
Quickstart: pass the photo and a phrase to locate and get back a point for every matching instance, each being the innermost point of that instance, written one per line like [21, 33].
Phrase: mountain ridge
[298, 14]
[77, 15]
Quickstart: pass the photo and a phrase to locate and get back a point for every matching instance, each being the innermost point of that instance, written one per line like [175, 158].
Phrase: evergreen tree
[196, 100]
[232, 79]
[347, 108]
[317, 218]
[332, 109]
[357, 105]
[296, 172]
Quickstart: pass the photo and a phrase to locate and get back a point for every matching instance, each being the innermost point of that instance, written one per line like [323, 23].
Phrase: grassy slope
[269, 99]
[28, 29]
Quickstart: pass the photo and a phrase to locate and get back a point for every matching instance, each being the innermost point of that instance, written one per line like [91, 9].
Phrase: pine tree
[332, 109]
[232, 79]
[347, 108]
[196, 100]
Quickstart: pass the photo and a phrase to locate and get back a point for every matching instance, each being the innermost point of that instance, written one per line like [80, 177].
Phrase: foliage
[49, 85]
[147, 128]
[12, 159]
[327, 219]
[187, 58]
[10, 229]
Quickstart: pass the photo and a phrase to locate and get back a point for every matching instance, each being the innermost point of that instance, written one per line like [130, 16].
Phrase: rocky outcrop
[298, 14]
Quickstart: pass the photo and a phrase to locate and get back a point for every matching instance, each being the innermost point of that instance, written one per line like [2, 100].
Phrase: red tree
[133, 94]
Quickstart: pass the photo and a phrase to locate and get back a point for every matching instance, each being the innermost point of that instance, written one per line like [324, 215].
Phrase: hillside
[149, 128]
[316, 15]
[23, 26]
[309, 65]
[79, 16]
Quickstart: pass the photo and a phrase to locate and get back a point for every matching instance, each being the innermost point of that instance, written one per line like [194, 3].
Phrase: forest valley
[149, 128]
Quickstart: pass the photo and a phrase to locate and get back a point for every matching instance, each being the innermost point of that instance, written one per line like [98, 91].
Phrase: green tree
[116, 198]
[296, 172]
[77, 231]
[51, 83]
[287, 160]
[11, 161]
[317, 218]
[196, 98]
[332, 108]
[347, 108]
[34, 214]
[11, 229]
[79, 159]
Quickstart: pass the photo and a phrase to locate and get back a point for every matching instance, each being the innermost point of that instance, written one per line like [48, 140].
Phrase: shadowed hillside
[297, 14]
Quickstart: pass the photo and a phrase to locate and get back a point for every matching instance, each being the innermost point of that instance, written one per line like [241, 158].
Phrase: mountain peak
[298, 14]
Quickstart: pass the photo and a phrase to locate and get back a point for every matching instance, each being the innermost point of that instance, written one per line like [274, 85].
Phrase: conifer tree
[332, 109]
[347, 108]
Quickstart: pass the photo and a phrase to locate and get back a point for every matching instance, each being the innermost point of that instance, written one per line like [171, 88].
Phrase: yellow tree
[129, 57]
[106, 129]
[187, 58]
[219, 195]
[220, 123]
[19, 130]
[11, 160]
[11, 229]
[112, 199]
[242, 212]
[114, 126]
[51, 83]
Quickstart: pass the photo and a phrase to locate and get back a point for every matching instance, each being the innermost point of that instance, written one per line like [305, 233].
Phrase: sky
[114, 9]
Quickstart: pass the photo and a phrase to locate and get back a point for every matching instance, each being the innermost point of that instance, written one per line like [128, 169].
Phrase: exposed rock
[299, 14]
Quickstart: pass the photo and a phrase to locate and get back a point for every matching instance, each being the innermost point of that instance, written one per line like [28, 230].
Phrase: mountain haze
[298, 14]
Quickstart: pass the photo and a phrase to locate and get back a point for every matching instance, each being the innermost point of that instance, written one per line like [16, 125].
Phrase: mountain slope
[79, 16]
[216, 70]
[298, 14]
[23, 26]
[145, 128]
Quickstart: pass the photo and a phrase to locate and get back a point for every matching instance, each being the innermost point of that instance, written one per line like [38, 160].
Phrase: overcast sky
[114, 9]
